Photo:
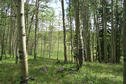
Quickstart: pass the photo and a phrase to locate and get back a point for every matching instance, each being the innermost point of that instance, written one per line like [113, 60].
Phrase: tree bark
[78, 51]
[117, 34]
[124, 44]
[71, 30]
[86, 31]
[113, 35]
[64, 31]
[105, 30]
[58, 46]
[11, 30]
[22, 43]
[36, 29]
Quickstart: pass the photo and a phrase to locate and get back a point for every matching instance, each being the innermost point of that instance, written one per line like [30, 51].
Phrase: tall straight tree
[105, 29]
[124, 44]
[36, 29]
[113, 34]
[22, 42]
[71, 31]
[27, 16]
[11, 29]
[96, 24]
[78, 46]
[64, 31]
[86, 31]
[117, 33]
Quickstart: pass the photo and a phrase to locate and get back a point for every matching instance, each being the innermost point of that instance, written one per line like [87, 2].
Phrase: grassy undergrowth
[90, 73]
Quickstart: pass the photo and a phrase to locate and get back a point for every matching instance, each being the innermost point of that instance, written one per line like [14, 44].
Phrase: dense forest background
[82, 41]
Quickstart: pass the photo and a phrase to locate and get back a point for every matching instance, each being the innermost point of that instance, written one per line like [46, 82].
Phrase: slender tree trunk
[36, 30]
[41, 47]
[17, 48]
[71, 30]
[14, 38]
[11, 31]
[44, 50]
[95, 24]
[3, 38]
[22, 43]
[86, 30]
[27, 23]
[97, 32]
[27, 16]
[93, 45]
[6, 36]
[29, 31]
[1, 35]
[113, 35]
[2, 44]
[58, 46]
[50, 44]
[105, 30]
[98, 40]
[64, 31]
[124, 44]
[45, 42]
[117, 34]
[78, 52]
[50, 40]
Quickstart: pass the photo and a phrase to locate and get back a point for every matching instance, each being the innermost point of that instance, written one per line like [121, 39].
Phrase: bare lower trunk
[41, 47]
[58, 47]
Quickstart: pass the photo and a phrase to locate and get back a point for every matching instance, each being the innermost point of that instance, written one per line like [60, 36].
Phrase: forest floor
[47, 71]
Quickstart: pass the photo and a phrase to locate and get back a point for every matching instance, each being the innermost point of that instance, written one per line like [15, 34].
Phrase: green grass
[90, 73]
